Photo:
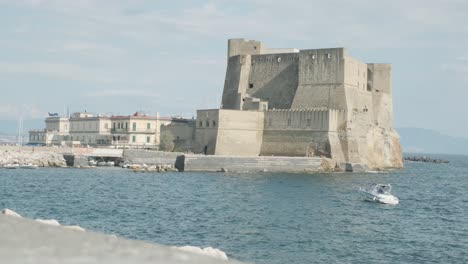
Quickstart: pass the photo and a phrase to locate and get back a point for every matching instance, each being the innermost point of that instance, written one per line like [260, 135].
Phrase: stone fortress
[304, 103]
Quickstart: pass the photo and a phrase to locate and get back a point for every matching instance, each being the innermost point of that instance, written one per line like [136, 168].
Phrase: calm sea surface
[261, 217]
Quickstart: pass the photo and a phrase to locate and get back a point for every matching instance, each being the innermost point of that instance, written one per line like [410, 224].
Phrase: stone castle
[314, 102]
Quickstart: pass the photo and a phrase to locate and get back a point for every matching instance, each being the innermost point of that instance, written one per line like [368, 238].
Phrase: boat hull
[380, 198]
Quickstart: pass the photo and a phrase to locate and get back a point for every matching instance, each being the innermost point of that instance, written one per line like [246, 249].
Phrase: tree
[167, 142]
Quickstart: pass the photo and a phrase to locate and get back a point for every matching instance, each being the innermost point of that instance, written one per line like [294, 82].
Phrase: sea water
[261, 217]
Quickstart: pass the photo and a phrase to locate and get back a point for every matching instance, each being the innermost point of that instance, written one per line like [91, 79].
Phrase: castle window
[329, 55]
[313, 56]
[309, 122]
[278, 59]
[250, 85]
[214, 123]
[255, 47]
[200, 124]
[207, 123]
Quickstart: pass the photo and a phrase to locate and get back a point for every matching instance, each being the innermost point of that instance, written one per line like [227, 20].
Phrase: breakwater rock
[39, 158]
[425, 159]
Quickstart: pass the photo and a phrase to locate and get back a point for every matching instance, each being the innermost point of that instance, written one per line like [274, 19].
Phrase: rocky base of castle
[38, 158]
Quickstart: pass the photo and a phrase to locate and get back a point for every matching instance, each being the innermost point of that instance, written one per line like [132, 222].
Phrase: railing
[117, 130]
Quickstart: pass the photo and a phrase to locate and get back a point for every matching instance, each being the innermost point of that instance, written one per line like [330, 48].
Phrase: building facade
[89, 130]
[137, 130]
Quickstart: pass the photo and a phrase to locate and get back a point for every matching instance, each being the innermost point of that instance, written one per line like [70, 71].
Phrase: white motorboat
[11, 166]
[379, 193]
[92, 163]
[101, 163]
[28, 166]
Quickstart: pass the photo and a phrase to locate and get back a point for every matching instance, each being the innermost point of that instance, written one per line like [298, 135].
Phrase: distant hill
[10, 127]
[422, 140]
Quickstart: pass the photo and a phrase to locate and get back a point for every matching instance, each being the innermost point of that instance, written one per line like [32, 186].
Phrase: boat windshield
[381, 188]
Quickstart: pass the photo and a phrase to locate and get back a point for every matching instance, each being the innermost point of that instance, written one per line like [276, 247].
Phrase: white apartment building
[137, 130]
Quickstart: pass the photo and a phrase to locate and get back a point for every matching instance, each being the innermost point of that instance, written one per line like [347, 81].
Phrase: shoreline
[158, 161]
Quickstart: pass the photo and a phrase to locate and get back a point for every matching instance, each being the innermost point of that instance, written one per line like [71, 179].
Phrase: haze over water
[261, 217]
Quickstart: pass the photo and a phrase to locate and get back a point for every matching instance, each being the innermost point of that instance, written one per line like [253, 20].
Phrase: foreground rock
[28, 241]
[39, 158]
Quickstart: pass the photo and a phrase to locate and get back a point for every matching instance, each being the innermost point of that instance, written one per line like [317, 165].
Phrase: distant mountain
[10, 127]
[422, 140]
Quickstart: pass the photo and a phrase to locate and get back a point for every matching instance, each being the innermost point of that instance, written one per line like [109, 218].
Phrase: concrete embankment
[138, 156]
[31, 156]
[27, 241]
[191, 162]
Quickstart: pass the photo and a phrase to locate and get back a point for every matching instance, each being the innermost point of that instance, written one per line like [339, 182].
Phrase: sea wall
[39, 158]
[193, 162]
[139, 156]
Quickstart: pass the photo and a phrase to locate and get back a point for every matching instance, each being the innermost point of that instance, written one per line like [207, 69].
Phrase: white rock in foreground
[75, 227]
[208, 251]
[9, 212]
[52, 222]
[28, 241]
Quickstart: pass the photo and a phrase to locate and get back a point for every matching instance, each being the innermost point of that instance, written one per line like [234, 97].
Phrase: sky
[117, 57]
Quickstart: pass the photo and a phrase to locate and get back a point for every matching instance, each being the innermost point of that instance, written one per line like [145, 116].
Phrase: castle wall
[300, 132]
[252, 47]
[240, 133]
[380, 80]
[236, 82]
[244, 47]
[321, 77]
[206, 132]
[274, 78]
[233, 132]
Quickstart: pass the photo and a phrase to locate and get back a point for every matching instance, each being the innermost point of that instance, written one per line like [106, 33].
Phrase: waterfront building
[138, 130]
[55, 133]
[89, 130]
[133, 131]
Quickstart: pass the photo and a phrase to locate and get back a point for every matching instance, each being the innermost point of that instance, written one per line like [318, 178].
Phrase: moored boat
[28, 166]
[11, 166]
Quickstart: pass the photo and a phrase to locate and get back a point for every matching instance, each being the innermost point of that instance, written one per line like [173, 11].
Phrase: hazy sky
[170, 56]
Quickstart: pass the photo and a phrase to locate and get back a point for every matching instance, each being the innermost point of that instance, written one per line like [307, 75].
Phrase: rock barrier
[39, 158]
[425, 159]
